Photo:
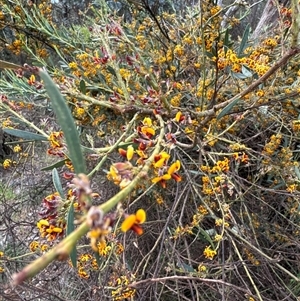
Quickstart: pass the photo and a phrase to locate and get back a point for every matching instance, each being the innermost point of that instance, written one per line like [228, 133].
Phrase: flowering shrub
[197, 132]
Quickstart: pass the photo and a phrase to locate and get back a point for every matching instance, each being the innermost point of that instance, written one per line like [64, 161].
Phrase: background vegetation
[161, 139]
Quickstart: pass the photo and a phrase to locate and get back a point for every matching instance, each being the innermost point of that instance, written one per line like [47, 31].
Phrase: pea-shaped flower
[133, 222]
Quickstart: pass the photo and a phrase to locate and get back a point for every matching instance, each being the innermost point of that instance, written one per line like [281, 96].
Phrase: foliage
[196, 130]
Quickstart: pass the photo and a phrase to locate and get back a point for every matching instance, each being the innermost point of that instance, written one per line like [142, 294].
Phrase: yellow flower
[161, 159]
[73, 65]
[147, 121]
[175, 101]
[202, 268]
[55, 139]
[215, 9]
[125, 74]
[103, 248]
[7, 163]
[42, 223]
[34, 245]
[219, 222]
[208, 253]
[174, 167]
[133, 222]
[82, 273]
[178, 50]
[148, 131]
[44, 248]
[178, 115]
[160, 178]
[17, 148]
[291, 188]
[31, 80]
[218, 237]
[42, 52]
[79, 112]
[172, 172]
[53, 229]
[130, 152]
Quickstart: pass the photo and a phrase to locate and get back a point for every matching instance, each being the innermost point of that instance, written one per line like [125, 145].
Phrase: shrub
[196, 130]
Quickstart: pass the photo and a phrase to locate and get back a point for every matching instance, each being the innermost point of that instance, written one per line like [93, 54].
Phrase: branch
[145, 282]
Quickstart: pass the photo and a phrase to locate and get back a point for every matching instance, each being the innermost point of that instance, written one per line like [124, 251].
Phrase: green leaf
[70, 229]
[97, 258]
[227, 109]
[111, 70]
[57, 183]
[66, 121]
[24, 134]
[244, 42]
[297, 172]
[185, 267]
[246, 71]
[209, 54]
[82, 86]
[55, 165]
[226, 40]
[238, 75]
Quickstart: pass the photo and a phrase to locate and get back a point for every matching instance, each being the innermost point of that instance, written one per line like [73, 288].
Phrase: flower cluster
[35, 246]
[209, 253]
[53, 223]
[164, 172]
[121, 289]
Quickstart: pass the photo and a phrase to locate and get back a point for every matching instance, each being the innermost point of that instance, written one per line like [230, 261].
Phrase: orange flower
[133, 221]
[122, 152]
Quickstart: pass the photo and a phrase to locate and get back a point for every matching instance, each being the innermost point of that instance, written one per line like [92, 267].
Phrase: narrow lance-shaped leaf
[66, 122]
[244, 41]
[96, 254]
[57, 183]
[24, 134]
[227, 109]
[70, 229]
[82, 87]
[55, 165]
